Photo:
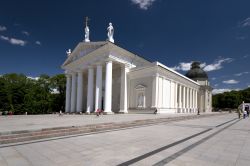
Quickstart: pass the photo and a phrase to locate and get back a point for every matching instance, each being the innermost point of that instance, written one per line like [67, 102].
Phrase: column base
[123, 111]
[108, 113]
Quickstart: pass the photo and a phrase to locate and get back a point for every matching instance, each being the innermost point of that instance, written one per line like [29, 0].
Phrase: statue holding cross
[86, 30]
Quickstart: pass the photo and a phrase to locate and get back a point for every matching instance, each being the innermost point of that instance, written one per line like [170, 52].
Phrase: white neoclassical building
[102, 75]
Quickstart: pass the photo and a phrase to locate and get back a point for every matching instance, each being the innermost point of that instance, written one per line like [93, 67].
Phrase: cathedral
[103, 76]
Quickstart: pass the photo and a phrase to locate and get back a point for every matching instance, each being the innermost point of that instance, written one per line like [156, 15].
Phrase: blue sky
[34, 35]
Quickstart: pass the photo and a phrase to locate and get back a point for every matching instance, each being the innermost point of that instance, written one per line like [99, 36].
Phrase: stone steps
[31, 135]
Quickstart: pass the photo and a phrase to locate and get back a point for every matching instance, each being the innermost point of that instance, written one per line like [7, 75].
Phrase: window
[140, 96]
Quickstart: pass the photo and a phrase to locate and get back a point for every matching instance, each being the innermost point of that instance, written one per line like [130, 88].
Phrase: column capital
[108, 61]
[68, 75]
[79, 71]
[90, 67]
[67, 72]
[73, 74]
[98, 64]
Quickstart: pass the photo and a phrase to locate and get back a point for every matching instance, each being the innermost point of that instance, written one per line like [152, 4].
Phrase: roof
[196, 72]
[175, 72]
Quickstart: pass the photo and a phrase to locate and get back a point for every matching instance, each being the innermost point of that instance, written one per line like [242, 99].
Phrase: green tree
[58, 84]
[13, 89]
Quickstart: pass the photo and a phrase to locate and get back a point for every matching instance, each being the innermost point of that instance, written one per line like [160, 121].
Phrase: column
[155, 85]
[123, 93]
[73, 93]
[90, 95]
[184, 99]
[98, 88]
[188, 99]
[193, 100]
[108, 87]
[79, 91]
[175, 98]
[68, 93]
[180, 97]
[196, 101]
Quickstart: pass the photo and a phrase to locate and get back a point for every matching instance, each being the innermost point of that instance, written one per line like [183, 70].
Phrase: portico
[94, 82]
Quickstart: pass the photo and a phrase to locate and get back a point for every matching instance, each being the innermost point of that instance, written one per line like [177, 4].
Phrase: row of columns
[187, 98]
[74, 90]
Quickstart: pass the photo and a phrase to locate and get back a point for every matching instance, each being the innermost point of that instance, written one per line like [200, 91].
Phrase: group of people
[99, 112]
[245, 113]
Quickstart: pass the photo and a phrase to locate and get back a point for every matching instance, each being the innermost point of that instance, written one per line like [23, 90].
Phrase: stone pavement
[34, 122]
[42, 128]
[216, 140]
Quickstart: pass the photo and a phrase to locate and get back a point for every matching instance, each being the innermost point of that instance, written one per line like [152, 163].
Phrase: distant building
[102, 75]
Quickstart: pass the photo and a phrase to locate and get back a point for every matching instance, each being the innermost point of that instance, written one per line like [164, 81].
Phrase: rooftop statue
[110, 33]
[87, 34]
[86, 30]
[68, 52]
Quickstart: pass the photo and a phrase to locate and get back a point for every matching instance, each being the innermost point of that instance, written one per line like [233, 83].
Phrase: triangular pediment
[91, 53]
[140, 87]
[82, 49]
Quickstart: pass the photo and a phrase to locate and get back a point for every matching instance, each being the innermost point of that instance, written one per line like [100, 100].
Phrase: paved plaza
[35, 122]
[217, 140]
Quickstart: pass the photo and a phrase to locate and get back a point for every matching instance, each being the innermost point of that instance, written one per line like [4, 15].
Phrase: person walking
[155, 112]
[239, 113]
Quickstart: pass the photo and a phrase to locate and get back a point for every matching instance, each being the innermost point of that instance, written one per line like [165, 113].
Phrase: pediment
[82, 49]
[91, 53]
[140, 87]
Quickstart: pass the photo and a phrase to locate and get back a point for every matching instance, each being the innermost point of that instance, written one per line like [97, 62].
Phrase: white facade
[101, 75]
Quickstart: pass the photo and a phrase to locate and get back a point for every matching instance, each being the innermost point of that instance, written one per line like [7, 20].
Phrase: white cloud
[240, 74]
[33, 78]
[230, 82]
[218, 91]
[213, 78]
[2, 28]
[4, 38]
[185, 66]
[25, 33]
[217, 64]
[246, 56]
[13, 41]
[245, 23]
[143, 4]
[38, 43]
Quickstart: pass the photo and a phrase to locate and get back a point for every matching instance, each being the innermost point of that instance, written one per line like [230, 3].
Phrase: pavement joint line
[139, 158]
[169, 120]
[226, 122]
[179, 153]
[78, 135]
[70, 127]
